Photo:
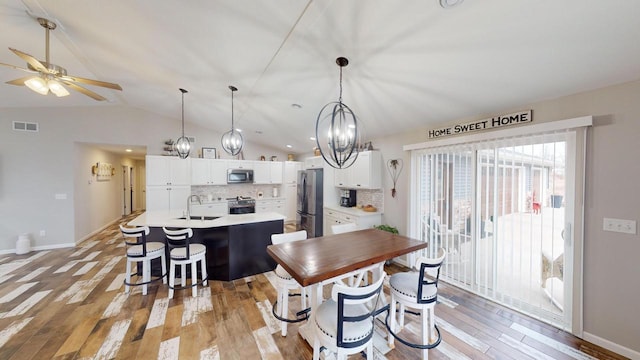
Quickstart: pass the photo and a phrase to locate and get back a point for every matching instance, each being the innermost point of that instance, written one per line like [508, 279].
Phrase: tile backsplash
[370, 197]
[226, 191]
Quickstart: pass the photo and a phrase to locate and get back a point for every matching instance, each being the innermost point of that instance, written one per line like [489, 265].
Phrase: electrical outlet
[43, 233]
[619, 225]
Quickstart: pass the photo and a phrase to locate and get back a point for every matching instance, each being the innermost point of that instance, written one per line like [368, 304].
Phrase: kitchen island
[236, 244]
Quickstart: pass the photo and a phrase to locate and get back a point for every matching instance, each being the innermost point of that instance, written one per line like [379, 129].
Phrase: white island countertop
[172, 219]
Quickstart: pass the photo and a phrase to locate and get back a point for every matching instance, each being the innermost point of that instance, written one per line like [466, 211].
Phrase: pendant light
[337, 133]
[232, 140]
[183, 146]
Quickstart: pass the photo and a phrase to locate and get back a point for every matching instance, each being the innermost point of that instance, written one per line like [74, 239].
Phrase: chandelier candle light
[337, 133]
[232, 140]
[183, 146]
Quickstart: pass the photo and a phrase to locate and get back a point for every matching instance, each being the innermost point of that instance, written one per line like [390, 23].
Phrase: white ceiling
[412, 63]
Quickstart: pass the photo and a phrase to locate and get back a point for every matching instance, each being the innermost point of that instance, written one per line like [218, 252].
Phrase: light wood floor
[70, 304]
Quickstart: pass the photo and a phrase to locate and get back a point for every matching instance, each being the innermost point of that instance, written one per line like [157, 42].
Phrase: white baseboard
[40, 248]
[63, 245]
[79, 241]
[619, 349]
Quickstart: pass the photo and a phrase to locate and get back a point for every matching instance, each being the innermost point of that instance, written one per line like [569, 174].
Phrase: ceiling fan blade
[20, 81]
[19, 68]
[87, 92]
[91, 82]
[31, 60]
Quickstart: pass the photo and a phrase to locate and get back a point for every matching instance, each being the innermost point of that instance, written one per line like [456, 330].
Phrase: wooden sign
[492, 123]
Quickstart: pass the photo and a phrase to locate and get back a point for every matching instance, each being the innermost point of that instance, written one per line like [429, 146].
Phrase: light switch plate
[619, 225]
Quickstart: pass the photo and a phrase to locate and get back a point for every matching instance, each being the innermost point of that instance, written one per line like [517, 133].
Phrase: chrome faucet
[189, 204]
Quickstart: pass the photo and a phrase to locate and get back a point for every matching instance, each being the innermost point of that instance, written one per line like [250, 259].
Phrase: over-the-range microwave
[239, 176]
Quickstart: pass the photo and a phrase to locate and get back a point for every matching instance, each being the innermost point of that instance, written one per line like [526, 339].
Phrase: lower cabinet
[167, 197]
[271, 205]
[363, 219]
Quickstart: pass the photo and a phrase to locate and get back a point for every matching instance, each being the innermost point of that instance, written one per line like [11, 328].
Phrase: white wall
[611, 267]
[34, 167]
[96, 203]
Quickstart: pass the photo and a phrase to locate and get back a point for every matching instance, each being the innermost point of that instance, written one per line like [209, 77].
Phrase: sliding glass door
[500, 209]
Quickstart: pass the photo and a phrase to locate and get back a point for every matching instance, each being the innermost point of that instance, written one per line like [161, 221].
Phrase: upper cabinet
[314, 162]
[365, 173]
[291, 169]
[240, 164]
[267, 172]
[168, 170]
[208, 171]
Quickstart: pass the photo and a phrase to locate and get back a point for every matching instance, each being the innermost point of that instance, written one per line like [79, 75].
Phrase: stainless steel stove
[241, 205]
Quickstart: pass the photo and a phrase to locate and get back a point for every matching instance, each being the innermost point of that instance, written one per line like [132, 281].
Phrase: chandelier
[183, 146]
[232, 140]
[337, 134]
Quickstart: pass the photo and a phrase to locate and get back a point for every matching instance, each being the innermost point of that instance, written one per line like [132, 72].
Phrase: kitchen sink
[193, 217]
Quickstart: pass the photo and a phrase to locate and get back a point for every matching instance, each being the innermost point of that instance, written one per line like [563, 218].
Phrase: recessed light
[296, 106]
[128, 150]
[289, 146]
[312, 138]
[238, 130]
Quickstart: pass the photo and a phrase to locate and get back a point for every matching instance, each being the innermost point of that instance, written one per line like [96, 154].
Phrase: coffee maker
[348, 198]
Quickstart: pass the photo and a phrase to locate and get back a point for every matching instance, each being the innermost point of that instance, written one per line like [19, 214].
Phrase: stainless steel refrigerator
[309, 199]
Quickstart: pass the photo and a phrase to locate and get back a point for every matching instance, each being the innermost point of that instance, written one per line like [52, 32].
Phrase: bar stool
[286, 282]
[416, 290]
[139, 250]
[181, 252]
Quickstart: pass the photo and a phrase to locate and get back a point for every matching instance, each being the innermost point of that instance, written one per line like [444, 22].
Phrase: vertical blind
[498, 209]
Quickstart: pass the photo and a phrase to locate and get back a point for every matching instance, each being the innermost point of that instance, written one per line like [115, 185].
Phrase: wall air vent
[25, 126]
[192, 139]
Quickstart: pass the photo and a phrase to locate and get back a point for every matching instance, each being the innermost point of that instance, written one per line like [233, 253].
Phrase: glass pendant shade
[57, 88]
[337, 133]
[42, 86]
[183, 146]
[38, 85]
[232, 140]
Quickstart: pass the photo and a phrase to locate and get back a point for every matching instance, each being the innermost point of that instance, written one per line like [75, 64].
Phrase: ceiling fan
[49, 77]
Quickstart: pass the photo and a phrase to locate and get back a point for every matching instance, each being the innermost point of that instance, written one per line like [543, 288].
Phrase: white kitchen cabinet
[363, 219]
[314, 162]
[208, 172]
[365, 173]
[276, 172]
[240, 164]
[291, 169]
[168, 170]
[267, 172]
[271, 205]
[291, 201]
[173, 197]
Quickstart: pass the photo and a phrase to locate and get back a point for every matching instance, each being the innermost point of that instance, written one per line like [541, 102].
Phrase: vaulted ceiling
[413, 64]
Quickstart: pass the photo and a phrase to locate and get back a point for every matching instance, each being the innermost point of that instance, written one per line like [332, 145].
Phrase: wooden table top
[316, 259]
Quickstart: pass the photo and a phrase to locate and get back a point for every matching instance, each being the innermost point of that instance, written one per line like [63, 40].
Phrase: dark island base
[233, 252]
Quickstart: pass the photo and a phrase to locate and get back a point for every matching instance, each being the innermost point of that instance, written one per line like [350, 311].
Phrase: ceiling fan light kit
[183, 146]
[232, 140]
[50, 77]
[337, 133]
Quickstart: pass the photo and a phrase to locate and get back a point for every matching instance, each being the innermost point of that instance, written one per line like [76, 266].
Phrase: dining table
[322, 260]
